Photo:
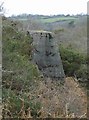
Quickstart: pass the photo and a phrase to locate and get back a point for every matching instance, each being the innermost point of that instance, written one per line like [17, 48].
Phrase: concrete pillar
[46, 54]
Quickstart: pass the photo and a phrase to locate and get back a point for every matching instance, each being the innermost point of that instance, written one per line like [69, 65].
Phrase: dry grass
[57, 100]
[68, 100]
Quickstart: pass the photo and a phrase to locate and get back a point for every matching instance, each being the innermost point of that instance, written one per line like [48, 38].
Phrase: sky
[45, 7]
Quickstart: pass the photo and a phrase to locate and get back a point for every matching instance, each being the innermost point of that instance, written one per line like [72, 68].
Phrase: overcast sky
[45, 7]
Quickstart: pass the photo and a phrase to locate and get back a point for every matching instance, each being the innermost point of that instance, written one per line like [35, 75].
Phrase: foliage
[20, 74]
[15, 104]
[73, 62]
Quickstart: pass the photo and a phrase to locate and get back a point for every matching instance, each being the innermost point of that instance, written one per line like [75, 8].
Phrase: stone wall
[46, 54]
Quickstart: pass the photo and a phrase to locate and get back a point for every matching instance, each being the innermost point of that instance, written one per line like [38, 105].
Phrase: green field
[55, 19]
[48, 19]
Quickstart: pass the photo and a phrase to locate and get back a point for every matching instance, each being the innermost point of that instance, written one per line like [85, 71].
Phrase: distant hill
[69, 30]
[45, 19]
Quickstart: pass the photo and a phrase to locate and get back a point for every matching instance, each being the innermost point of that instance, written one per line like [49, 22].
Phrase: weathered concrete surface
[46, 54]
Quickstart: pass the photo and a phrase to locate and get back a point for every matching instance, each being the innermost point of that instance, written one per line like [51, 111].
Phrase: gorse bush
[15, 105]
[16, 41]
[74, 63]
[20, 75]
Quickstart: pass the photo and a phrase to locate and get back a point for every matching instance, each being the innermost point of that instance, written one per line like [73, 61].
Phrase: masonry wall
[46, 54]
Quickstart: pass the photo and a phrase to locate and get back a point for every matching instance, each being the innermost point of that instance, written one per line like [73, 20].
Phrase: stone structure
[46, 54]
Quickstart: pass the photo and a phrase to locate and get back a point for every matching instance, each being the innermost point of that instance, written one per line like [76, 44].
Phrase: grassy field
[49, 19]
[55, 19]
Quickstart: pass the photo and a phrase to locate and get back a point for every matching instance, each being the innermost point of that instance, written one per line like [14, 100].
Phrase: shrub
[19, 75]
[73, 62]
[14, 104]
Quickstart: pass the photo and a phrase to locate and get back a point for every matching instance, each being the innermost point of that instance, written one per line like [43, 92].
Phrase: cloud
[45, 7]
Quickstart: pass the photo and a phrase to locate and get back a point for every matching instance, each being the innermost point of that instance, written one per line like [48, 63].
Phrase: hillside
[26, 92]
[70, 30]
[45, 19]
